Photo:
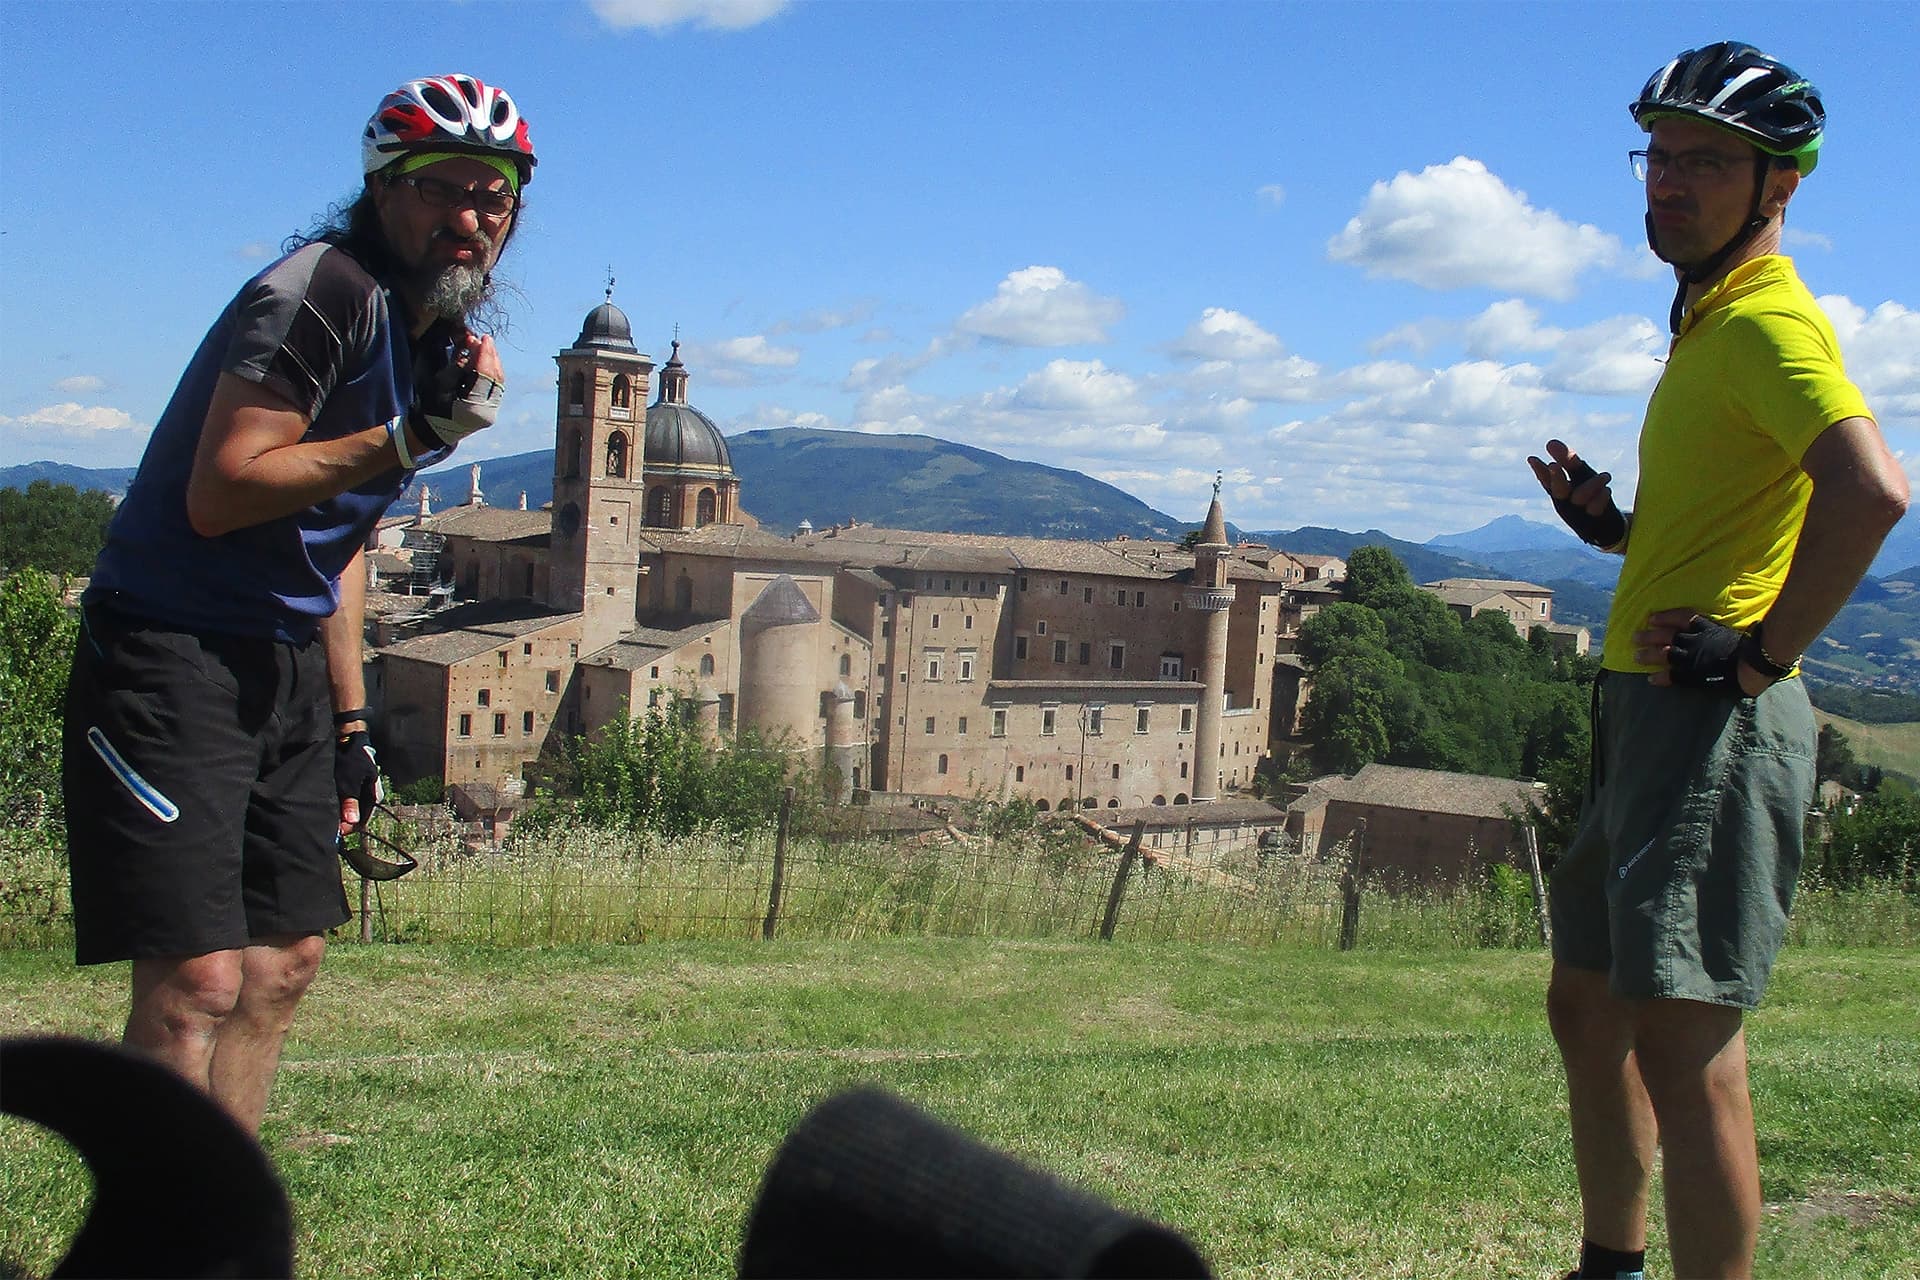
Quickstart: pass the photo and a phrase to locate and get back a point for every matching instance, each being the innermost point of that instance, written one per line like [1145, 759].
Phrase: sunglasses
[367, 851]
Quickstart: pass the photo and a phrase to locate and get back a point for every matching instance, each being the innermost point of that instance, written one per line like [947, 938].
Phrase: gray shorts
[1678, 881]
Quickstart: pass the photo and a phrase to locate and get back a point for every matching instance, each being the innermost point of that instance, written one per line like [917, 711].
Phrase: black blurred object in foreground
[868, 1186]
[179, 1189]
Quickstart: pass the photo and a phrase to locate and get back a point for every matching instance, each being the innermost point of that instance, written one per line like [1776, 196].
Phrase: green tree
[1833, 756]
[1341, 630]
[1371, 570]
[1879, 840]
[1347, 716]
[36, 643]
[54, 527]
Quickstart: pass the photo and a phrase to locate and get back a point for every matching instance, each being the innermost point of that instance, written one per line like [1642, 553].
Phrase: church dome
[606, 329]
[679, 436]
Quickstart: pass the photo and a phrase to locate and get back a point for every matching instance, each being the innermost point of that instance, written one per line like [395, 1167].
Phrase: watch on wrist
[1753, 652]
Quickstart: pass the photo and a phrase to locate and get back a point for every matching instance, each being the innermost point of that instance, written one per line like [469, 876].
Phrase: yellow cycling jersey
[1753, 377]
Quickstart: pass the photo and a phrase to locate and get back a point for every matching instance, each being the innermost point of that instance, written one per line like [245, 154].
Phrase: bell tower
[599, 435]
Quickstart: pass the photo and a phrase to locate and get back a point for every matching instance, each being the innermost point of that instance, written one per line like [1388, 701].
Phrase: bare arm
[1859, 494]
[340, 639]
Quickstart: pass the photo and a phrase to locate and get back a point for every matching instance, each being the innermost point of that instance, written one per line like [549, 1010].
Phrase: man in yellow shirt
[1765, 491]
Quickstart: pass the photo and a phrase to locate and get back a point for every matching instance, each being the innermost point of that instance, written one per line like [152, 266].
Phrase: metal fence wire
[588, 886]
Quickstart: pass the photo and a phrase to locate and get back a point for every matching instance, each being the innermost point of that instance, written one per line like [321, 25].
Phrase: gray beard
[455, 292]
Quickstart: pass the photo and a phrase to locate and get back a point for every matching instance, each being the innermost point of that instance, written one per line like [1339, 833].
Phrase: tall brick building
[1078, 674]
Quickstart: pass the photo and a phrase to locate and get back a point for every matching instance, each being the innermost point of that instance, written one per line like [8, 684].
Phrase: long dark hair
[353, 223]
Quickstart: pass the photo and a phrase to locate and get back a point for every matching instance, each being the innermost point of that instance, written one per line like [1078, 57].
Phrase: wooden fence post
[779, 865]
[1539, 887]
[1120, 881]
[1350, 889]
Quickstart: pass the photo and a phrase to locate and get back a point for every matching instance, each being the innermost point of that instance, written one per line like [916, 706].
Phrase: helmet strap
[1699, 272]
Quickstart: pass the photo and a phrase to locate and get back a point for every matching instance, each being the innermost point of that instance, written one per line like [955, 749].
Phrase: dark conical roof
[1214, 534]
[606, 328]
[781, 604]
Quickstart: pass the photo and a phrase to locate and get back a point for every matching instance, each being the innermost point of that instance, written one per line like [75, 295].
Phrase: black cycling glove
[1604, 530]
[1706, 655]
[356, 773]
[450, 400]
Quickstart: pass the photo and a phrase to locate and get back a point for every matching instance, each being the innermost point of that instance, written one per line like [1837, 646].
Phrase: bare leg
[1613, 1120]
[178, 1005]
[1694, 1059]
[246, 1058]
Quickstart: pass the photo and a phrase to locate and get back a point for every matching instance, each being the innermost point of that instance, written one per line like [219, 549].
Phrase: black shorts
[198, 775]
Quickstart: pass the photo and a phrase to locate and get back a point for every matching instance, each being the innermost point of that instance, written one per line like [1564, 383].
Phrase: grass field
[607, 1110]
[1894, 747]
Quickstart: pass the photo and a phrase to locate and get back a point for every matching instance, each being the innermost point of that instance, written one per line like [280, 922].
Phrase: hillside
[113, 479]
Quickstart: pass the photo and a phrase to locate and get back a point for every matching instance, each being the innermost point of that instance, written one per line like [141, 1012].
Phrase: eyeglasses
[362, 848]
[1689, 166]
[451, 195]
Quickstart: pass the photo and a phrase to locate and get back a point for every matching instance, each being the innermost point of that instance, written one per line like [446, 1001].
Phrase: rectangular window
[1096, 719]
[969, 622]
[1069, 773]
[1020, 648]
[1117, 656]
[1023, 582]
[859, 704]
[527, 649]
[1040, 627]
[486, 697]
[936, 622]
[1186, 723]
[1183, 768]
[1116, 771]
[1120, 597]
[503, 657]
[466, 725]
[573, 650]
[966, 666]
[553, 682]
[654, 672]
[1019, 773]
[1063, 586]
[1086, 653]
[933, 666]
[1059, 650]
[499, 724]
[526, 722]
[1139, 719]
[1086, 595]
[1047, 716]
[948, 584]
[726, 713]
[999, 722]
[1139, 599]
[929, 724]
[961, 728]
[886, 629]
[1169, 666]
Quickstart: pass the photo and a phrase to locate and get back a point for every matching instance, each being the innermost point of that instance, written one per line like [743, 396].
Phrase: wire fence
[587, 886]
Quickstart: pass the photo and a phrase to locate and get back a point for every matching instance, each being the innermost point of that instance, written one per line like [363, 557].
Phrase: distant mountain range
[918, 482]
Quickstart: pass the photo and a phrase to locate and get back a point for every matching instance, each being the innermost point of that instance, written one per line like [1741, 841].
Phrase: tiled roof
[1211, 813]
[1430, 791]
[1493, 584]
[644, 646]
[489, 524]
[467, 630]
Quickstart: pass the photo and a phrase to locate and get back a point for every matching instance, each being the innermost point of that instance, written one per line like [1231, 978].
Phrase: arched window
[577, 394]
[570, 454]
[683, 594]
[708, 507]
[660, 507]
[706, 664]
[1113, 804]
[622, 392]
[1180, 798]
[1040, 805]
[617, 455]
[943, 762]
[1160, 800]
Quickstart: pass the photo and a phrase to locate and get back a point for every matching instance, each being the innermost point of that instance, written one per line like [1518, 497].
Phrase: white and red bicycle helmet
[460, 114]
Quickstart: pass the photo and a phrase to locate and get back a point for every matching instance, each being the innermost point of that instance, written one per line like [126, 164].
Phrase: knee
[1692, 1056]
[279, 974]
[1576, 1010]
[187, 996]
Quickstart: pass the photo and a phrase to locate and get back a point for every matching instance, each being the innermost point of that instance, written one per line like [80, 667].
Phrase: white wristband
[397, 432]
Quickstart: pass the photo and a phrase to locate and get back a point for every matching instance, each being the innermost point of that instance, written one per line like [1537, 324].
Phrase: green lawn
[1300, 1112]
[1894, 747]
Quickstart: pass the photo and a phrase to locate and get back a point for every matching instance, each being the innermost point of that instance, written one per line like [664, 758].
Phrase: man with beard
[1765, 490]
[216, 739]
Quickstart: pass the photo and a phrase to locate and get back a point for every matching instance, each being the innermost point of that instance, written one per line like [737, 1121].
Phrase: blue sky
[1360, 257]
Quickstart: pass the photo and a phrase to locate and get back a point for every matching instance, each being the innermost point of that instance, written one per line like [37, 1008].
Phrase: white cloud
[1795, 238]
[1882, 351]
[1616, 356]
[752, 350]
[822, 319]
[1041, 307]
[254, 251]
[1272, 194]
[1474, 392]
[81, 384]
[1220, 334]
[1457, 226]
[663, 15]
[1077, 386]
[1286, 379]
[869, 372]
[73, 420]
